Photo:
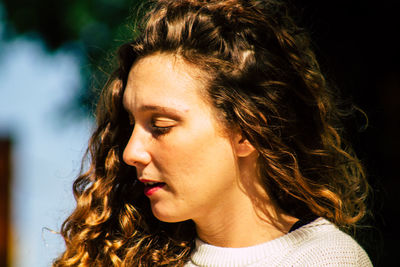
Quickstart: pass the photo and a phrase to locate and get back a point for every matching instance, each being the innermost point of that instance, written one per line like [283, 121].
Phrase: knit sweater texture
[319, 243]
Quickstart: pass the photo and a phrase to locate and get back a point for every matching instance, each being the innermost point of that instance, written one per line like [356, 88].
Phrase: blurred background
[54, 57]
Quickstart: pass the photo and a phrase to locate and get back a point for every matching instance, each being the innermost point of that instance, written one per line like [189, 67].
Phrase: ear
[243, 147]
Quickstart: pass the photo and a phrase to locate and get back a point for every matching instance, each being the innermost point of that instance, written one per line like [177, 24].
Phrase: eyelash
[157, 130]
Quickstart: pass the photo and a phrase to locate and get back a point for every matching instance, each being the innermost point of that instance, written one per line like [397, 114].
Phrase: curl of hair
[262, 78]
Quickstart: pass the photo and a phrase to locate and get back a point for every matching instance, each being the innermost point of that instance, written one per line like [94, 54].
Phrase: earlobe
[243, 147]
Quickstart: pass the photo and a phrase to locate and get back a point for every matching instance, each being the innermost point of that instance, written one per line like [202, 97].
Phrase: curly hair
[262, 78]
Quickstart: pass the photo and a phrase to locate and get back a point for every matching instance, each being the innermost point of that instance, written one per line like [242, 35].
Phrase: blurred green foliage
[93, 28]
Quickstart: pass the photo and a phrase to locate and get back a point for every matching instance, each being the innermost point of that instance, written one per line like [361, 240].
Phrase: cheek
[200, 155]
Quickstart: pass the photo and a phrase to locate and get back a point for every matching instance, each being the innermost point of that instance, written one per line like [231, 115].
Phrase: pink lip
[150, 190]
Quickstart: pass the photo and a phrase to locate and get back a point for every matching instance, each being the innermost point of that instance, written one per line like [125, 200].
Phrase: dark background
[355, 41]
[358, 47]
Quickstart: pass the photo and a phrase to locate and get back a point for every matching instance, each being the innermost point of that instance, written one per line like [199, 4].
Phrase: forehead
[163, 80]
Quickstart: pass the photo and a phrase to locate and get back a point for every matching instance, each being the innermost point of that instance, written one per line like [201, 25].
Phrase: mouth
[150, 187]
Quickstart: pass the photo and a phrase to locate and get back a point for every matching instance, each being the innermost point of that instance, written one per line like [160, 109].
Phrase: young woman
[218, 144]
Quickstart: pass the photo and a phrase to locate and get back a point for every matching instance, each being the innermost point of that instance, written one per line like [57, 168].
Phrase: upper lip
[147, 181]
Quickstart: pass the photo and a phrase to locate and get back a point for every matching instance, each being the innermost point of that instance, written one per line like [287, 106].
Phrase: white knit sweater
[319, 243]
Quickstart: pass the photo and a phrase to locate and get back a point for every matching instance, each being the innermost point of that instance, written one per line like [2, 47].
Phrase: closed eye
[162, 125]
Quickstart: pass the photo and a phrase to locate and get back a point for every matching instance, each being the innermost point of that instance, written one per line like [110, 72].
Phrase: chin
[167, 217]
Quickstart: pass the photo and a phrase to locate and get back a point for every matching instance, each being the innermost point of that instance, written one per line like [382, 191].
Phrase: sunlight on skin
[176, 142]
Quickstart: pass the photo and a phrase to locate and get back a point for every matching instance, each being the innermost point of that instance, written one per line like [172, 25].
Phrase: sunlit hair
[262, 79]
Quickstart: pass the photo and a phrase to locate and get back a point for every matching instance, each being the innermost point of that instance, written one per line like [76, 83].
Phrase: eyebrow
[160, 108]
[157, 108]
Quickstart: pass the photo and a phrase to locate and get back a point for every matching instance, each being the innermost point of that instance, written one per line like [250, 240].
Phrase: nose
[135, 153]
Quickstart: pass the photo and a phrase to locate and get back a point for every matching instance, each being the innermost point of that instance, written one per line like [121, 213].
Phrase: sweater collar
[209, 255]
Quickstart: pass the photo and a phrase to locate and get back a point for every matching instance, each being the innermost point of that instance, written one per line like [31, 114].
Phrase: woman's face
[179, 150]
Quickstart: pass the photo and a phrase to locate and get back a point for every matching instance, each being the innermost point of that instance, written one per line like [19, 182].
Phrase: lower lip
[150, 190]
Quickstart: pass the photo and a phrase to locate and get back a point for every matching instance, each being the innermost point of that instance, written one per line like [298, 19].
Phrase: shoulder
[321, 243]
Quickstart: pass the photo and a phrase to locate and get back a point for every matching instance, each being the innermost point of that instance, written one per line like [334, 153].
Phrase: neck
[246, 216]
[242, 225]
